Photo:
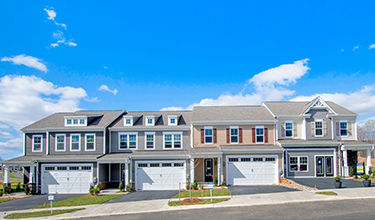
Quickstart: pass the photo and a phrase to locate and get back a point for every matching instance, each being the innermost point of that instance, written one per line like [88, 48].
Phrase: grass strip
[206, 193]
[328, 193]
[4, 199]
[197, 202]
[39, 214]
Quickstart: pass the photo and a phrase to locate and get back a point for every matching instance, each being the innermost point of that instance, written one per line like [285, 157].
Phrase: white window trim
[204, 133]
[41, 143]
[230, 134]
[256, 139]
[72, 118]
[94, 142]
[318, 120]
[56, 135]
[128, 140]
[292, 122]
[153, 120]
[131, 121]
[79, 142]
[149, 133]
[347, 128]
[173, 133]
[298, 164]
[169, 120]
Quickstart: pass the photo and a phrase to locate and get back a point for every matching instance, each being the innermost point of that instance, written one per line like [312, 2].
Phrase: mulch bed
[190, 201]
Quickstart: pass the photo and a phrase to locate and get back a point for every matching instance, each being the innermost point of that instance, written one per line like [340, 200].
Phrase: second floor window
[208, 136]
[233, 135]
[75, 142]
[172, 141]
[318, 128]
[150, 141]
[127, 141]
[90, 142]
[259, 135]
[343, 128]
[37, 143]
[60, 142]
[289, 129]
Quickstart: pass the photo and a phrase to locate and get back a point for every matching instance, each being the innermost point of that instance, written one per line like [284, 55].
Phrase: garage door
[158, 175]
[252, 170]
[66, 178]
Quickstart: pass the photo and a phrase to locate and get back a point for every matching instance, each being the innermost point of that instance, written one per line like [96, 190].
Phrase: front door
[208, 170]
[324, 166]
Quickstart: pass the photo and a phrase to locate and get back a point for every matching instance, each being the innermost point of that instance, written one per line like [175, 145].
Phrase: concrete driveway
[30, 202]
[327, 183]
[145, 195]
[245, 190]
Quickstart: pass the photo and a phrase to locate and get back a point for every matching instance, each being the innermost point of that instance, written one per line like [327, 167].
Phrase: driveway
[145, 195]
[245, 190]
[327, 183]
[30, 202]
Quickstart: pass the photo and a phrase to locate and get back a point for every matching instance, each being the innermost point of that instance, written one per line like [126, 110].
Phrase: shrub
[18, 188]
[215, 180]
[337, 179]
[351, 171]
[373, 172]
[1, 192]
[121, 186]
[223, 183]
[129, 187]
[27, 189]
[92, 190]
[97, 189]
[365, 177]
[187, 186]
[195, 185]
[370, 171]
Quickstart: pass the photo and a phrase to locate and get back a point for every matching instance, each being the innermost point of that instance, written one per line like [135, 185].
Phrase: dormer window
[75, 121]
[69, 121]
[150, 121]
[172, 120]
[81, 121]
[128, 121]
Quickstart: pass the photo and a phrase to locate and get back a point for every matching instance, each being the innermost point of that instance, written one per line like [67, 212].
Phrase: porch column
[346, 168]
[6, 174]
[191, 170]
[219, 170]
[368, 163]
[31, 174]
[126, 173]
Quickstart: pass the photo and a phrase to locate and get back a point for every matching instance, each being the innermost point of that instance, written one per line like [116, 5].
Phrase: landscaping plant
[92, 190]
[351, 171]
[1, 192]
[195, 185]
[18, 187]
[337, 179]
[215, 180]
[121, 186]
[129, 187]
[223, 183]
[27, 189]
[187, 186]
[97, 189]
[365, 177]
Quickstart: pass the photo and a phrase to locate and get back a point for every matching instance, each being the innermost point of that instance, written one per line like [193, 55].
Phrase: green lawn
[14, 184]
[202, 202]
[39, 214]
[81, 200]
[328, 193]
[206, 193]
[4, 199]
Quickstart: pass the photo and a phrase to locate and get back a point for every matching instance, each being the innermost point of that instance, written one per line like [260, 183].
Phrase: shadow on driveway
[31, 202]
[245, 190]
[145, 195]
[327, 183]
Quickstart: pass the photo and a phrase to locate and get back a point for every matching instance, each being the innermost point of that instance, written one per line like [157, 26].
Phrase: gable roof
[231, 113]
[100, 119]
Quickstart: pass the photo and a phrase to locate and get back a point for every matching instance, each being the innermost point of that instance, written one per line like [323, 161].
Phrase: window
[60, 142]
[172, 120]
[73, 168]
[82, 121]
[343, 128]
[178, 164]
[258, 159]
[62, 168]
[49, 168]
[298, 164]
[166, 164]
[142, 165]
[259, 135]
[128, 121]
[90, 142]
[149, 121]
[75, 121]
[245, 159]
[154, 165]
[288, 129]
[172, 140]
[69, 121]
[86, 168]
[319, 128]
[234, 135]
[233, 159]
[37, 143]
[270, 159]
[150, 144]
[75, 142]
[127, 140]
[208, 135]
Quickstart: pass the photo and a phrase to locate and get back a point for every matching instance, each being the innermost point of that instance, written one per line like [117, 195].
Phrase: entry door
[324, 166]
[208, 170]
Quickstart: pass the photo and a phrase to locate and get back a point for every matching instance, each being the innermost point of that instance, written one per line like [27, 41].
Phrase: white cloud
[267, 85]
[372, 46]
[26, 99]
[107, 89]
[356, 47]
[342, 50]
[59, 36]
[28, 61]
[52, 15]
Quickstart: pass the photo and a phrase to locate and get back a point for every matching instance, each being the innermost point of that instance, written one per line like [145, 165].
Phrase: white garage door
[249, 170]
[64, 178]
[157, 175]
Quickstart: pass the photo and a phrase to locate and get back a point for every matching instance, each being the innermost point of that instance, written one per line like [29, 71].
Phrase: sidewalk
[235, 201]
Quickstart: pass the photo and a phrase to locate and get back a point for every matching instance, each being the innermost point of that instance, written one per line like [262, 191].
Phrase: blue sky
[160, 54]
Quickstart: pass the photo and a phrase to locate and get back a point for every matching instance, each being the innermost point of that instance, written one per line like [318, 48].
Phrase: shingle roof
[101, 119]
[339, 109]
[161, 118]
[231, 113]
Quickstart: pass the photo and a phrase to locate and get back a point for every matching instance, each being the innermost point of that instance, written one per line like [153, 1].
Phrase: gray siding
[318, 114]
[98, 143]
[29, 144]
[141, 140]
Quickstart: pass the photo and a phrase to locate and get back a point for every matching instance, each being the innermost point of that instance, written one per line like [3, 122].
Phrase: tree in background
[366, 132]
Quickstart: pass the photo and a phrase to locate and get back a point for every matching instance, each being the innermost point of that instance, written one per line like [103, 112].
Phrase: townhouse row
[158, 150]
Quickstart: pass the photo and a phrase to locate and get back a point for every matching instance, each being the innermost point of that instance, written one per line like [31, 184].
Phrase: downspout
[191, 136]
[104, 141]
[47, 142]
[24, 143]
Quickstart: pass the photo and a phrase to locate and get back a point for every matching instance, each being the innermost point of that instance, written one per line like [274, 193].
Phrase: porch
[206, 165]
[350, 152]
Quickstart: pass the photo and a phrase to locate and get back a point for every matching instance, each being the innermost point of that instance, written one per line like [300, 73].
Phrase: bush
[370, 171]
[121, 186]
[215, 180]
[129, 187]
[18, 188]
[92, 190]
[195, 185]
[373, 172]
[1, 192]
[187, 186]
[27, 189]
[337, 179]
[351, 171]
[97, 189]
[223, 183]
[365, 177]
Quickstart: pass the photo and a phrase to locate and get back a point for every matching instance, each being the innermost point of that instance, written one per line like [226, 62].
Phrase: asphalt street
[343, 209]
